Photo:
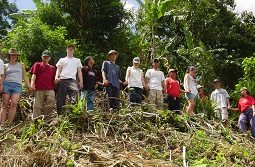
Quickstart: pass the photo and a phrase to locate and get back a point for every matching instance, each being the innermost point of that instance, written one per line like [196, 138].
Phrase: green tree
[6, 8]
[30, 37]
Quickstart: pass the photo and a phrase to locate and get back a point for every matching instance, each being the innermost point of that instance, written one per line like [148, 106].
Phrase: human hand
[57, 80]
[125, 83]
[187, 91]
[105, 82]
[32, 86]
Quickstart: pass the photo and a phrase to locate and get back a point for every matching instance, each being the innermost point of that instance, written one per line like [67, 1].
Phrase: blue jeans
[135, 94]
[89, 96]
[244, 117]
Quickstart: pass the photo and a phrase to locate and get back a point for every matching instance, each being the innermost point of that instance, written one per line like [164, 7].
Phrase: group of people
[71, 77]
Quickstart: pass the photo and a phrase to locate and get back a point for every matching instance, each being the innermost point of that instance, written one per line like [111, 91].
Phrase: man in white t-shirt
[221, 99]
[154, 80]
[1, 75]
[67, 69]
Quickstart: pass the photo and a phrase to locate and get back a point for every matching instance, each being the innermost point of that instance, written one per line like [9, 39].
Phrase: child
[221, 99]
[154, 80]
[90, 79]
[111, 79]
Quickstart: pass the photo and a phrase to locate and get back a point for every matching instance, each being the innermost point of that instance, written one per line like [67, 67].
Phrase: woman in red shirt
[246, 106]
[173, 91]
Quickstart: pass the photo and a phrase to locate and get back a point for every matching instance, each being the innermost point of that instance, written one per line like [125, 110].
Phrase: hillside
[134, 137]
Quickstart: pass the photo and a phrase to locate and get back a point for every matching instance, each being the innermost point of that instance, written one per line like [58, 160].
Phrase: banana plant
[151, 13]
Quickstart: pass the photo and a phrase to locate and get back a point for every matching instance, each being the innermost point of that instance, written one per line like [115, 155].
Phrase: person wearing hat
[135, 80]
[90, 79]
[173, 91]
[42, 81]
[221, 99]
[67, 70]
[201, 92]
[246, 106]
[15, 73]
[111, 79]
[190, 87]
[155, 83]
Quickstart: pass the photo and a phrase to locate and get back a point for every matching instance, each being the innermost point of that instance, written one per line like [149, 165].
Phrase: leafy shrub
[205, 106]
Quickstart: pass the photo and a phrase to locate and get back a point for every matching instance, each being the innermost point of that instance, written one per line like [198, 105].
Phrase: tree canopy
[206, 33]
[6, 9]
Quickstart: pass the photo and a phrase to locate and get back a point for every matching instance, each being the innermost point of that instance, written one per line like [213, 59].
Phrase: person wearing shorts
[190, 87]
[221, 99]
[15, 72]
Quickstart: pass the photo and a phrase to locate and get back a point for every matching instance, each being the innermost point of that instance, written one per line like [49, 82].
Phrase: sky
[242, 5]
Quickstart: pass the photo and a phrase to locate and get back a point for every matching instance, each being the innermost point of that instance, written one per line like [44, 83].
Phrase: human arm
[228, 103]
[80, 77]
[186, 83]
[57, 79]
[1, 82]
[127, 76]
[147, 79]
[104, 70]
[105, 81]
[143, 80]
[253, 109]
[2, 71]
[163, 86]
[25, 78]
[33, 78]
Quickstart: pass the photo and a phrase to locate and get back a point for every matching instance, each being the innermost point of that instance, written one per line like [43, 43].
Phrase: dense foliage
[6, 9]
[207, 34]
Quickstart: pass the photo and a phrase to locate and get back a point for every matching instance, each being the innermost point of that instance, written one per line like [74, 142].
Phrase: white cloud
[130, 4]
[243, 5]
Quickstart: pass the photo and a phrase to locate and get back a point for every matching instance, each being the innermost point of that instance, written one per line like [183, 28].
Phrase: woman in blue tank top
[15, 72]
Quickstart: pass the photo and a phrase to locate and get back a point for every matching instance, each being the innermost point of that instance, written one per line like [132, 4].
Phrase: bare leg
[13, 107]
[5, 107]
[191, 106]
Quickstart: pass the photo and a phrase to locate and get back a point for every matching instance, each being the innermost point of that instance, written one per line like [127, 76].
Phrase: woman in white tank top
[12, 87]
[190, 86]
